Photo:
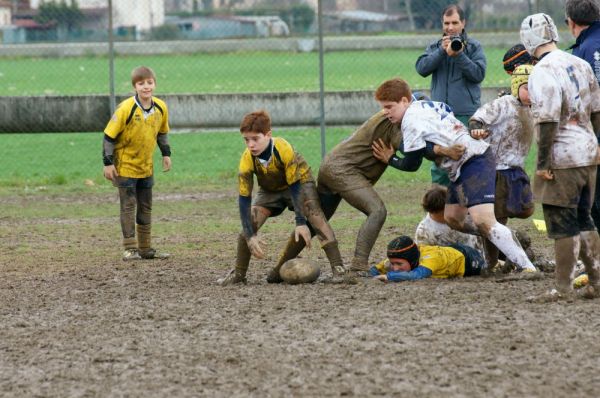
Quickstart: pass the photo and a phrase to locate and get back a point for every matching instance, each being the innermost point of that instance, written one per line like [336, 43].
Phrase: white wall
[5, 15]
[143, 14]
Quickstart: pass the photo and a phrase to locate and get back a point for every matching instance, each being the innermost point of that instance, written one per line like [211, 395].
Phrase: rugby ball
[299, 270]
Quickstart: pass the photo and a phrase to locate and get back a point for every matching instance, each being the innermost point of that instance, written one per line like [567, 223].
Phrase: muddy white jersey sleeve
[434, 122]
[510, 126]
[563, 89]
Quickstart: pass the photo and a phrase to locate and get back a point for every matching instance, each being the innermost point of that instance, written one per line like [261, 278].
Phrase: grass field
[240, 72]
[65, 161]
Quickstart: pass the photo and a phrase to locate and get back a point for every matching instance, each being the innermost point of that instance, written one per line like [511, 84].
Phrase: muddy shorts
[137, 183]
[571, 188]
[477, 182]
[513, 193]
[275, 201]
[474, 261]
[564, 222]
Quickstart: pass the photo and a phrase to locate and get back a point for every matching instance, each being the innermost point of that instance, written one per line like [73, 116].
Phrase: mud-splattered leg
[368, 202]
[128, 202]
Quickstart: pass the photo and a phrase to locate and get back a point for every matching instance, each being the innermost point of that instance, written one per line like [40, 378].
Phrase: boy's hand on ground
[479, 134]
[382, 152]
[304, 232]
[455, 152]
[255, 247]
[110, 173]
[166, 163]
[382, 278]
[545, 174]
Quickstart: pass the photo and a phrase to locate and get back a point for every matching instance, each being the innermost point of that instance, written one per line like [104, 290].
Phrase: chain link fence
[61, 68]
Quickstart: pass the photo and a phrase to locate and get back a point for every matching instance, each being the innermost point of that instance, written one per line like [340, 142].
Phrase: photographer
[583, 20]
[457, 65]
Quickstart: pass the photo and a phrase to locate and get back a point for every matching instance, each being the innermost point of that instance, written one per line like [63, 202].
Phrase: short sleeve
[246, 174]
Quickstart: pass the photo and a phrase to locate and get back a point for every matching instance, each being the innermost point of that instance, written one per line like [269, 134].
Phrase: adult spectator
[457, 65]
[583, 19]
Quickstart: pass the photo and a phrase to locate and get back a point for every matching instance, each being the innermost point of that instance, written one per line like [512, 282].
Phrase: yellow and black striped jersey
[135, 132]
[285, 167]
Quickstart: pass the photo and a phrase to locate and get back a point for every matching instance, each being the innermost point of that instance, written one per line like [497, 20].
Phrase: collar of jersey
[265, 157]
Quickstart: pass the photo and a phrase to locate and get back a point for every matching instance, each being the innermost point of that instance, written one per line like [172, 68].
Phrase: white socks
[502, 238]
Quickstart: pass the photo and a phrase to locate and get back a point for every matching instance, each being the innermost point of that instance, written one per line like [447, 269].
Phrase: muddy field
[76, 321]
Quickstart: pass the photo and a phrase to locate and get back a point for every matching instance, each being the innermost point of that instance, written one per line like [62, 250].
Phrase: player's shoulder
[283, 148]
[160, 104]
[126, 104]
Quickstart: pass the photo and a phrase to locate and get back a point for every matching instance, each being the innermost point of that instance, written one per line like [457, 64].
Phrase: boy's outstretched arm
[301, 228]
[418, 273]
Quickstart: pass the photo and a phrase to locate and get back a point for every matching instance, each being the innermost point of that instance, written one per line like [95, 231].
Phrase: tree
[66, 17]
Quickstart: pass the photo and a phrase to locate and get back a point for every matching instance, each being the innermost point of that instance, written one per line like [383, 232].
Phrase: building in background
[134, 18]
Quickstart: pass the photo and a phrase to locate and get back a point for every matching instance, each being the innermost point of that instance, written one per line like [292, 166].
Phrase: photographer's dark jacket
[587, 46]
[455, 80]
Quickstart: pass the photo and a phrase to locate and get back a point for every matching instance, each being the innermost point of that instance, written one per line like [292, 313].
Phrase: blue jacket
[455, 80]
[587, 46]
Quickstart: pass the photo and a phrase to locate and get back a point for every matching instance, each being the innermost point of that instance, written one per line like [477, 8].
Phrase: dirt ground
[76, 321]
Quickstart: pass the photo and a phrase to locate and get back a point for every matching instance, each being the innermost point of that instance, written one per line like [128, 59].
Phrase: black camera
[456, 43]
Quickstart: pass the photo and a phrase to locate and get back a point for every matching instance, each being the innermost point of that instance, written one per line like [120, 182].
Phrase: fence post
[111, 59]
[321, 77]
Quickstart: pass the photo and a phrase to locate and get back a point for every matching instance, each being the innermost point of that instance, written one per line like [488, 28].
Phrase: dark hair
[393, 90]
[515, 56]
[582, 12]
[453, 8]
[434, 200]
[142, 73]
[404, 247]
[256, 122]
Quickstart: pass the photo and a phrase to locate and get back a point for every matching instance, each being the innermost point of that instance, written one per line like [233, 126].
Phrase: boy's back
[351, 164]
[511, 130]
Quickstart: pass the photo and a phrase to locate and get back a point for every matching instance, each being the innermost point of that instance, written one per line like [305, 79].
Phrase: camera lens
[456, 44]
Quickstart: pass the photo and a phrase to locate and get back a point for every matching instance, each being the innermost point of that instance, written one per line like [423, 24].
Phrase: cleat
[589, 292]
[131, 254]
[273, 276]
[153, 254]
[231, 278]
[551, 296]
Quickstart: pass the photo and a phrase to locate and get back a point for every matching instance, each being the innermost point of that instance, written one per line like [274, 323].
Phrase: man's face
[452, 24]
[256, 142]
[395, 111]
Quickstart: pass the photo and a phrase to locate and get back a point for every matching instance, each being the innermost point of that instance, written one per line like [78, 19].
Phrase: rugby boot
[232, 277]
[151, 253]
[238, 274]
[131, 254]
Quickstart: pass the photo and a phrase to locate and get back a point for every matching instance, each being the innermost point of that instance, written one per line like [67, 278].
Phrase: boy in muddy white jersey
[472, 177]
[506, 124]
[566, 106]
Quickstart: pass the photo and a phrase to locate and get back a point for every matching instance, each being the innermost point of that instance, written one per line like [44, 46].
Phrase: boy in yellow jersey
[408, 261]
[285, 181]
[130, 138]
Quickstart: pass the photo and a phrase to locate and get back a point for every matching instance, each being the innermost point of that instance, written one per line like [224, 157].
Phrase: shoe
[523, 274]
[153, 254]
[273, 276]
[131, 254]
[231, 278]
[551, 296]
[581, 281]
[589, 292]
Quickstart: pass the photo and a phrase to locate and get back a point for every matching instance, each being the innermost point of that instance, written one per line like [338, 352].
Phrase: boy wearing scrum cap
[408, 261]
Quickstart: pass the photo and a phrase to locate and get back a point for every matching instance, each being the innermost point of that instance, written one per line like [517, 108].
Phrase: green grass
[240, 72]
[65, 162]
